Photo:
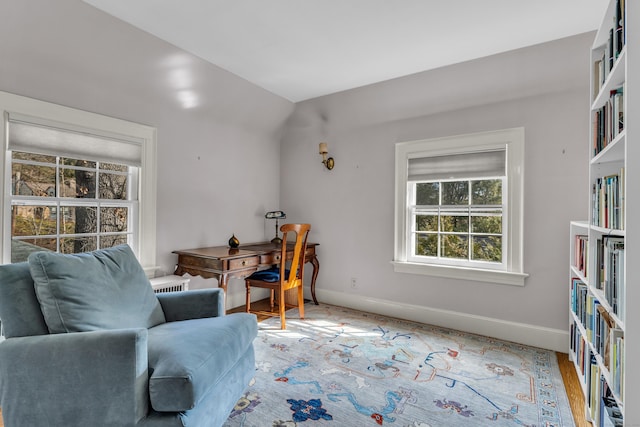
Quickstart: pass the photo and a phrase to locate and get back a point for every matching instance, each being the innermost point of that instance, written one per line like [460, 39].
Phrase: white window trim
[513, 141]
[145, 246]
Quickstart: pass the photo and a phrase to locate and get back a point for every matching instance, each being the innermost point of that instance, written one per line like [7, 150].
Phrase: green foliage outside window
[459, 220]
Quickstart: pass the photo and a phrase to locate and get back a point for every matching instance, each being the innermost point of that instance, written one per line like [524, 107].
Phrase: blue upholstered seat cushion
[104, 289]
[188, 358]
[270, 275]
[19, 308]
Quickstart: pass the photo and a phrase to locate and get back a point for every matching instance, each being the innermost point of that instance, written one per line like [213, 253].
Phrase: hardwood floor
[574, 390]
[569, 376]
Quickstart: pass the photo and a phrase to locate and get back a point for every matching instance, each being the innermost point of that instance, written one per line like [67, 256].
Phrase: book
[616, 352]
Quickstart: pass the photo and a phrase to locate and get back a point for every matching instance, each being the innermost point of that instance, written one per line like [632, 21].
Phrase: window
[75, 181]
[459, 207]
[69, 205]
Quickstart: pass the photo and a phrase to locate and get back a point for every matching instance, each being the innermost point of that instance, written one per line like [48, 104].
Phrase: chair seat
[270, 275]
[188, 358]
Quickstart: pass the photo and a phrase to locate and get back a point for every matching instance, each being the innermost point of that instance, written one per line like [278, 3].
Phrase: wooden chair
[288, 275]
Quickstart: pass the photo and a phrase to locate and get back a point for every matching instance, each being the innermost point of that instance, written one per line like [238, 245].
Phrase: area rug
[341, 367]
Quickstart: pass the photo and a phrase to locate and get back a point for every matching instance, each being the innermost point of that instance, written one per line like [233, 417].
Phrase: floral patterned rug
[341, 367]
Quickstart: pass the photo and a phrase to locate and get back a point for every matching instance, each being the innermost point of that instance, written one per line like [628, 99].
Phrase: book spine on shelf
[608, 120]
[581, 249]
[607, 201]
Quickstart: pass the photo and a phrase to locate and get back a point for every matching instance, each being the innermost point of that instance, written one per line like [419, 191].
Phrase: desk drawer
[237, 264]
[274, 257]
[199, 262]
[269, 259]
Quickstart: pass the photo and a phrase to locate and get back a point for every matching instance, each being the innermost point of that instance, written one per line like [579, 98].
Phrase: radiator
[169, 283]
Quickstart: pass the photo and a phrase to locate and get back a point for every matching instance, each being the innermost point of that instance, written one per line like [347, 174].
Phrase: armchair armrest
[195, 304]
[86, 378]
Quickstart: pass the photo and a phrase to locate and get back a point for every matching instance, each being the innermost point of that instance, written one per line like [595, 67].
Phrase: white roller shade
[36, 135]
[458, 166]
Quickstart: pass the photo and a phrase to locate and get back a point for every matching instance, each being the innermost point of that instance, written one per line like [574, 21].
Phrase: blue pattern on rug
[341, 367]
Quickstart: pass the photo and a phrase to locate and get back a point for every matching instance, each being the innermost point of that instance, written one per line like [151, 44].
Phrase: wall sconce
[276, 215]
[327, 162]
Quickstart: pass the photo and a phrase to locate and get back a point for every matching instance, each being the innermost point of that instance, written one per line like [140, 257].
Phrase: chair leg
[281, 307]
[301, 301]
[272, 298]
[247, 306]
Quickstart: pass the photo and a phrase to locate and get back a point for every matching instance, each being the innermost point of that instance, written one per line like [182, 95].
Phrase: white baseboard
[536, 336]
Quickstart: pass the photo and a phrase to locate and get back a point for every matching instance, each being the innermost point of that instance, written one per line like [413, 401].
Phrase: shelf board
[580, 224]
[608, 231]
[613, 152]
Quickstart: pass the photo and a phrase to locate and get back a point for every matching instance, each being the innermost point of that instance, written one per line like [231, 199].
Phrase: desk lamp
[276, 215]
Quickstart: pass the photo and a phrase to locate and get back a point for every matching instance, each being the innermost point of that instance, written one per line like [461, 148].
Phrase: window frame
[512, 141]
[60, 201]
[144, 242]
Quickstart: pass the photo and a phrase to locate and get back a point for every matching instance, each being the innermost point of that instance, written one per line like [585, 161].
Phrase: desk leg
[316, 267]
[223, 281]
[179, 270]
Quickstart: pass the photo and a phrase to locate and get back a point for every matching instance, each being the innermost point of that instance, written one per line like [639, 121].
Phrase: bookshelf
[604, 324]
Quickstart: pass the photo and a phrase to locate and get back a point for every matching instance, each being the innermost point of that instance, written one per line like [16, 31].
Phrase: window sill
[464, 273]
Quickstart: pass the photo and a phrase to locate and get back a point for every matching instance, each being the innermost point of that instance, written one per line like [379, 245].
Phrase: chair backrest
[296, 267]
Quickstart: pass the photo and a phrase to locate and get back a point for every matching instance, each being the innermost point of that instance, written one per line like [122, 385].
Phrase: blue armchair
[88, 343]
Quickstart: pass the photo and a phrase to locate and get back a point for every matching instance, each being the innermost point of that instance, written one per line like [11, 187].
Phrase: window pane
[428, 193]
[426, 222]
[33, 220]
[486, 224]
[42, 158]
[76, 245]
[113, 219]
[114, 167]
[427, 244]
[454, 223]
[487, 248]
[110, 241]
[20, 249]
[75, 162]
[79, 184]
[79, 220]
[486, 192]
[455, 246]
[33, 180]
[112, 186]
[455, 193]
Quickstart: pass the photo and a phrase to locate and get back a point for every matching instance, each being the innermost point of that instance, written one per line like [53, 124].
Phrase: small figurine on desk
[234, 242]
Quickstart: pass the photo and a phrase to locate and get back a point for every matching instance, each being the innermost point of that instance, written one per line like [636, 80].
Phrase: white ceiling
[302, 49]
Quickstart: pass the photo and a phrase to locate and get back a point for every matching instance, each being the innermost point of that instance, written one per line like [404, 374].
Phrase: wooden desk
[223, 262]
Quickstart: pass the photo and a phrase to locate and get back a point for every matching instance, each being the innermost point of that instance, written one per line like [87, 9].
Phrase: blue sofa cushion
[188, 358]
[19, 308]
[104, 289]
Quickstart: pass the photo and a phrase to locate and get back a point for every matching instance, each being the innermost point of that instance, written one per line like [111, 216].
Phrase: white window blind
[457, 166]
[32, 134]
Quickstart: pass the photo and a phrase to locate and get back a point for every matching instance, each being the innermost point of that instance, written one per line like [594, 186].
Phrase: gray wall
[543, 88]
[218, 161]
